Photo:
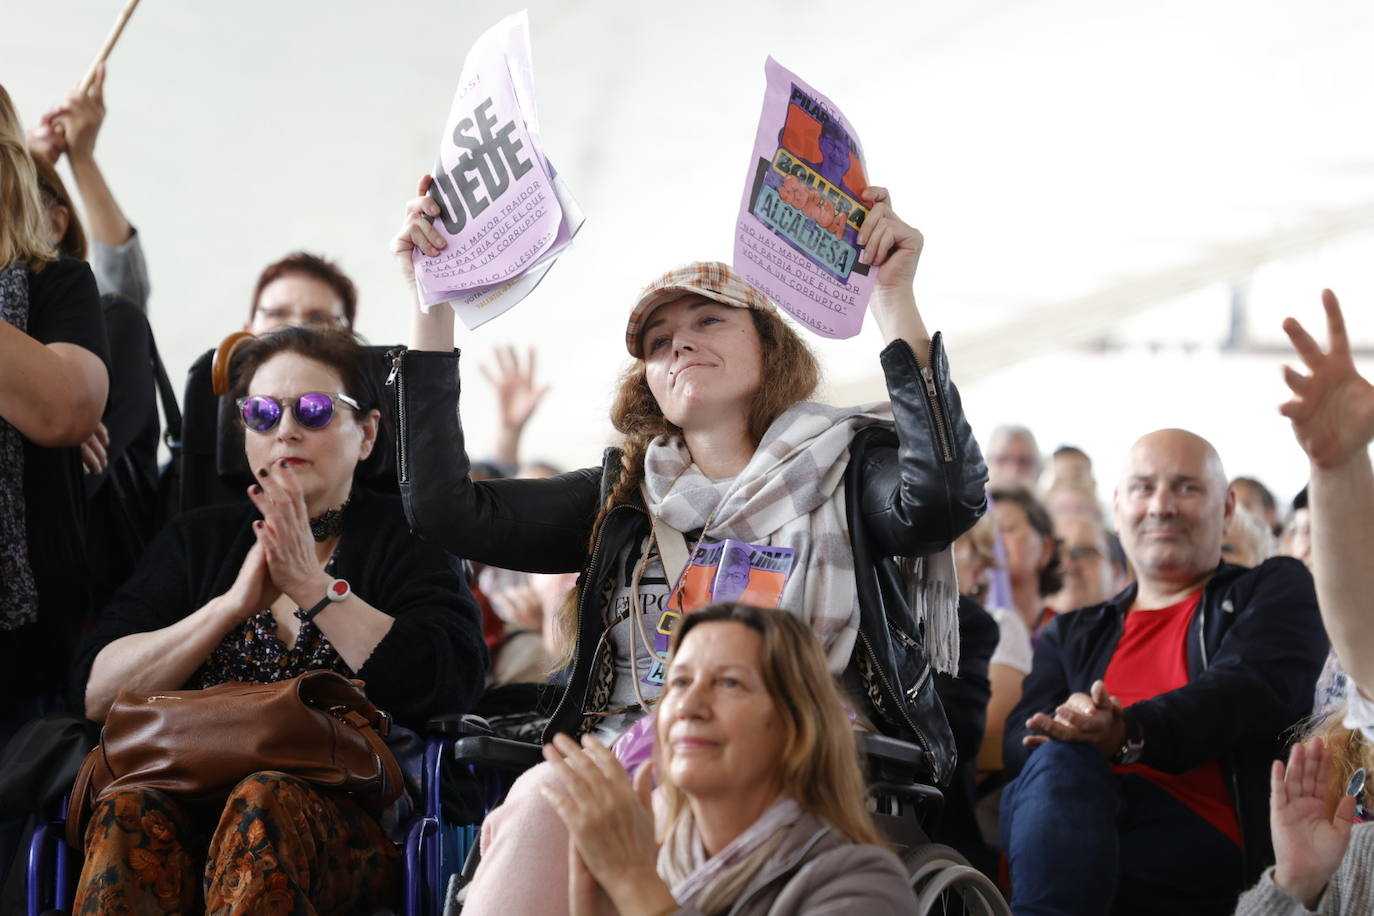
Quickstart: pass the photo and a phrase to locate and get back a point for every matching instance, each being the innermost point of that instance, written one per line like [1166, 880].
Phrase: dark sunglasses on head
[312, 410]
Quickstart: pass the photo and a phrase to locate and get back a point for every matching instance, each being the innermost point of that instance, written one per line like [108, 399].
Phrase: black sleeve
[529, 525]
[1047, 685]
[64, 307]
[157, 595]
[920, 496]
[1256, 685]
[433, 661]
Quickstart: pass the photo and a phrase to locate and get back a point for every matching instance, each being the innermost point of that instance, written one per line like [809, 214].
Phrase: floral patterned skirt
[281, 846]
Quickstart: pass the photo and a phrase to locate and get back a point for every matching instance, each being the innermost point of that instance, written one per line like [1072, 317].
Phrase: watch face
[338, 590]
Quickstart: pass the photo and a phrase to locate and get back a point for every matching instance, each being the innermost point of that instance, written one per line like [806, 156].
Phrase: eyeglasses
[312, 410]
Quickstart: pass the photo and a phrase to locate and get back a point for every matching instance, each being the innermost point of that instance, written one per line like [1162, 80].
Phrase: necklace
[329, 524]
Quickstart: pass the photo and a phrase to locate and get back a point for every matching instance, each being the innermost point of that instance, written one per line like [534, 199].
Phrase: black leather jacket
[918, 490]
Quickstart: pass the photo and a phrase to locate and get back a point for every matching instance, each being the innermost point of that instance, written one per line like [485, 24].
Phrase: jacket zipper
[898, 698]
[396, 381]
[1235, 784]
[937, 412]
[582, 600]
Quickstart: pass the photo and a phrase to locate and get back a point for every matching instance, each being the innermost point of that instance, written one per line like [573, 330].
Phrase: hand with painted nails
[1332, 409]
[284, 533]
[417, 230]
[252, 590]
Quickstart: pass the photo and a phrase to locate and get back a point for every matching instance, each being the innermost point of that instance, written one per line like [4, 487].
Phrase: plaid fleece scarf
[18, 594]
[791, 494]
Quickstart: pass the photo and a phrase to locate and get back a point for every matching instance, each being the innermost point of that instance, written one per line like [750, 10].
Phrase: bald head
[1172, 506]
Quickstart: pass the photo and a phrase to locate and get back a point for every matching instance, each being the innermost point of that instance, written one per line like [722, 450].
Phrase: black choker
[330, 524]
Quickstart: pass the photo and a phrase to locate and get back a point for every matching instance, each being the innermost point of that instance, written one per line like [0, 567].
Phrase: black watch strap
[338, 590]
[1133, 743]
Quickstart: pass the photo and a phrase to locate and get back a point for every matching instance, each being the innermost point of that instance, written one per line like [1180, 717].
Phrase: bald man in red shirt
[1143, 738]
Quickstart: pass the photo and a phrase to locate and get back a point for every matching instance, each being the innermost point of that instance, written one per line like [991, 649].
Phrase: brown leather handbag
[196, 745]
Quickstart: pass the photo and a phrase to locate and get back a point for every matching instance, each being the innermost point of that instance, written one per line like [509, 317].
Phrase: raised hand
[46, 137]
[889, 243]
[1309, 843]
[81, 117]
[417, 230]
[518, 393]
[1332, 410]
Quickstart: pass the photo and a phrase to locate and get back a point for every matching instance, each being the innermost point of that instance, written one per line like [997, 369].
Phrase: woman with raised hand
[724, 461]
[1322, 864]
[762, 799]
[313, 573]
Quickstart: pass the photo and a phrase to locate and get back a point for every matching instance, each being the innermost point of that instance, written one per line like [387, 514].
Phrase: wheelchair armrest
[883, 749]
[457, 725]
[500, 752]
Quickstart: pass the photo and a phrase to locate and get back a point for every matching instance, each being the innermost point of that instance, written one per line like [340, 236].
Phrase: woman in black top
[238, 593]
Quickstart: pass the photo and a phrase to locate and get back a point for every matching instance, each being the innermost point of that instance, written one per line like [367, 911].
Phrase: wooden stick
[110, 40]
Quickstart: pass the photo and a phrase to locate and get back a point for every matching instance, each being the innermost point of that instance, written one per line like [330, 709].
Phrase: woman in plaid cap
[729, 484]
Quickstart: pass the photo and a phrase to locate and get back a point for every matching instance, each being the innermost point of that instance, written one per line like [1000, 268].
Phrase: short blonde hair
[23, 224]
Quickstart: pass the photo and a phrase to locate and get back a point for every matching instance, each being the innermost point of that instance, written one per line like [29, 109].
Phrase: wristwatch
[338, 590]
[1133, 744]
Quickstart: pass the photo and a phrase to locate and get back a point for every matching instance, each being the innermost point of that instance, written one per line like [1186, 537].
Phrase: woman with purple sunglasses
[313, 573]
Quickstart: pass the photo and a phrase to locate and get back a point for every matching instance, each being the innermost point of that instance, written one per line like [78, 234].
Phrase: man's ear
[1230, 510]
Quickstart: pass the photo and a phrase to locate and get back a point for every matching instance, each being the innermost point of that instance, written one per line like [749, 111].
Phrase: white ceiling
[1076, 167]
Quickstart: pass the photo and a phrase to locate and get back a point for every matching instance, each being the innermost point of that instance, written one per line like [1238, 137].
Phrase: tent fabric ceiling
[1072, 164]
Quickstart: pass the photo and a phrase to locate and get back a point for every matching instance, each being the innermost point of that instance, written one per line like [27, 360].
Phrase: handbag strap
[672, 548]
[171, 413]
[79, 801]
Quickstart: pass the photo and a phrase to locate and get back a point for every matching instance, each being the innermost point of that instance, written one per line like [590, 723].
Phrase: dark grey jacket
[815, 872]
[917, 490]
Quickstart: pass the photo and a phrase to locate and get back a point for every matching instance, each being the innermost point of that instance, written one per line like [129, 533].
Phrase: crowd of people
[1106, 694]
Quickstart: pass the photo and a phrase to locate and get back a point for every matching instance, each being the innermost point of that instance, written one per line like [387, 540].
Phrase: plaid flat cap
[712, 279]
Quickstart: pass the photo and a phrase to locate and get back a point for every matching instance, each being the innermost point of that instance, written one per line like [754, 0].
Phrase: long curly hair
[791, 374]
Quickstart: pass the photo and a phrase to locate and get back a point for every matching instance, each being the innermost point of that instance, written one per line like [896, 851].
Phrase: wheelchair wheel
[959, 890]
[927, 859]
[946, 885]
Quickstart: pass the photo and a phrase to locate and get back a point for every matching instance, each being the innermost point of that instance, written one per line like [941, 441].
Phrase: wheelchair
[903, 808]
[440, 858]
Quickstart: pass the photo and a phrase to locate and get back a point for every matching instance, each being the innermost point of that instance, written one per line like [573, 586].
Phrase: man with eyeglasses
[1086, 562]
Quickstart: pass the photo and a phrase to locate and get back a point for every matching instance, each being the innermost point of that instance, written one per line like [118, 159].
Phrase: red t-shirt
[1150, 659]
